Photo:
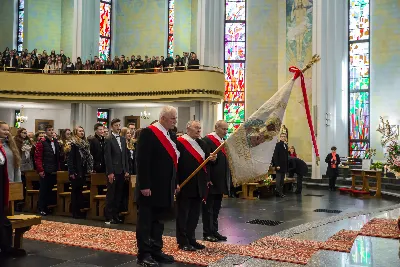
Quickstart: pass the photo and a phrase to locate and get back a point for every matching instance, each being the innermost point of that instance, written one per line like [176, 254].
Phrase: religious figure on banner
[258, 131]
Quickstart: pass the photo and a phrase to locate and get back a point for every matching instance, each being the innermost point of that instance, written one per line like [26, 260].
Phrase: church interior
[317, 76]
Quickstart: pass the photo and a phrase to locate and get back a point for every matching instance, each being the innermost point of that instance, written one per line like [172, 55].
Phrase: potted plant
[393, 160]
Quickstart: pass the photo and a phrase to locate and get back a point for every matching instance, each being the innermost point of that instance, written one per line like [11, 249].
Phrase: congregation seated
[60, 63]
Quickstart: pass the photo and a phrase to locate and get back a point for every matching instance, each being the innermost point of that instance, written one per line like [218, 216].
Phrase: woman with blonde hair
[130, 144]
[80, 163]
[11, 153]
[65, 145]
[25, 145]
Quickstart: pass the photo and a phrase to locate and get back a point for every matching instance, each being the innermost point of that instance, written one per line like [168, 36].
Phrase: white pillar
[83, 115]
[330, 79]
[210, 32]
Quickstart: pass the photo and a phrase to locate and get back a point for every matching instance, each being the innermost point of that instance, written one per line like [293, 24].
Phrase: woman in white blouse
[12, 154]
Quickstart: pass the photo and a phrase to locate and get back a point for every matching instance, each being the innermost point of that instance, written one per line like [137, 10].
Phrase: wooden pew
[20, 223]
[32, 195]
[63, 198]
[131, 216]
[375, 175]
[97, 202]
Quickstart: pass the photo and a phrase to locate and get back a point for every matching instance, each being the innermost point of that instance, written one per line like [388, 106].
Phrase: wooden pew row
[364, 190]
[20, 223]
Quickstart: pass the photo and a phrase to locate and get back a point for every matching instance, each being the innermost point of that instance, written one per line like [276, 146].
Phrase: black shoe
[220, 237]
[13, 253]
[210, 239]
[43, 213]
[187, 248]
[119, 220]
[147, 261]
[163, 258]
[197, 245]
[297, 192]
[112, 221]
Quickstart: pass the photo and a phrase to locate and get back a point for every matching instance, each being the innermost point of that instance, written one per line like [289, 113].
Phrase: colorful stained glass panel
[359, 20]
[234, 76]
[235, 11]
[108, 1]
[359, 66]
[235, 51]
[234, 96]
[232, 127]
[104, 48]
[235, 32]
[105, 124]
[102, 114]
[20, 27]
[170, 45]
[359, 115]
[234, 112]
[105, 20]
[21, 4]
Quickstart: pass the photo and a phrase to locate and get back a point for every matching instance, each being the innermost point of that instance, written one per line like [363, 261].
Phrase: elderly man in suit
[117, 170]
[157, 161]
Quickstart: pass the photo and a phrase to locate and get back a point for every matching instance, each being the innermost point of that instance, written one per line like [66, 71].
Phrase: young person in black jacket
[80, 163]
[97, 148]
[280, 160]
[333, 160]
[47, 160]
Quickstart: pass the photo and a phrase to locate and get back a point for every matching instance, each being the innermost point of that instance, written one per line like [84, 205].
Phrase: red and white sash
[193, 148]
[167, 143]
[217, 141]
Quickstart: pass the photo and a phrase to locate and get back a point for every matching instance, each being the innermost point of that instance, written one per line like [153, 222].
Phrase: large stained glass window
[359, 77]
[20, 26]
[171, 20]
[235, 61]
[105, 29]
[103, 116]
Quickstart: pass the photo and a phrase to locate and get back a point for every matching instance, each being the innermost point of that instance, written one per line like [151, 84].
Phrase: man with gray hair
[193, 152]
[219, 176]
[157, 161]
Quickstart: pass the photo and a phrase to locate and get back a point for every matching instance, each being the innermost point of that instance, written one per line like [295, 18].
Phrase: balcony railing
[111, 71]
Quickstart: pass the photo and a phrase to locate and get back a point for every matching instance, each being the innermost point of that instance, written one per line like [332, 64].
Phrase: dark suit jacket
[97, 151]
[197, 186]
[219, 171]
[155, 171]
[14, 63]
[193, 62]
[298, 166]
[280, 157]
[116, 158]
[75, 165]
[332, 171]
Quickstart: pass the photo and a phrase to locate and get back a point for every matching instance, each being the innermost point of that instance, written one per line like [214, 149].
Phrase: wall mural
[299, 18]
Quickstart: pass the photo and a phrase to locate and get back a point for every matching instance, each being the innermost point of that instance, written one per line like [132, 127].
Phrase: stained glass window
[171, 20]
[103, 116]
[105, 29]
[17, 123]
[359, 77]
[235, 60]
[20, 26]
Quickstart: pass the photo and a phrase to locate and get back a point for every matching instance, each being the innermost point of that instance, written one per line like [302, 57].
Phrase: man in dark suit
[300, 168]
[280, 161]
[157, 162]
[193, 152]
[97, 148]
[219, 176]
[194, 62]
[39, 63]
[117, 170]
[47, 161]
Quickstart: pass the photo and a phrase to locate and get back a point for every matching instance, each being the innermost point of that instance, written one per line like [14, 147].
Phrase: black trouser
[188, 217]
[114, 196]
[332, 180]
[76, 194]
[299, 183]
[6, 231]
[210, 214]
[280, 181]
[46, 196]
[149, 230]
[123, 206]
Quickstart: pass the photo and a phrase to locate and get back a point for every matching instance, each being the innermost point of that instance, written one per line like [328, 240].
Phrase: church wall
[193, 26]
[42, 27]
[141, 27]
[7, 22]
[182, 26]
[67, 38]
[385, 67]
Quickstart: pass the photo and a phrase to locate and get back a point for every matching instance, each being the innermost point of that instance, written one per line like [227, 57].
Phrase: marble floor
[295, 212]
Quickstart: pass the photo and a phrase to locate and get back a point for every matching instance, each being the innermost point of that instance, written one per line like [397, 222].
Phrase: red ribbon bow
[298, 73]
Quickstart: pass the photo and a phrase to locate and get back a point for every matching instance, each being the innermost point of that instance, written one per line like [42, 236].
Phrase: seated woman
[80, 163]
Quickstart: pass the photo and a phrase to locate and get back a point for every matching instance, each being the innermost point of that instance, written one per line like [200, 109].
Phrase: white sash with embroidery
[195, 145]
[163, 130]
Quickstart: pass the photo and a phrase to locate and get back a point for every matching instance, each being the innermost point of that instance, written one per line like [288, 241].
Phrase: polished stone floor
[292, 211]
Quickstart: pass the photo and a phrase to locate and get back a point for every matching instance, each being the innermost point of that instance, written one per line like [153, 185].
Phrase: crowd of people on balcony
[57, 63]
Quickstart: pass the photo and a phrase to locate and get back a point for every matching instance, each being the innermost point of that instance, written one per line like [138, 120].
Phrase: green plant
[376, 166]
[268, 180]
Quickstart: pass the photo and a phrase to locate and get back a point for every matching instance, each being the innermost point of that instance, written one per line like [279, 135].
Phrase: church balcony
[203, 84]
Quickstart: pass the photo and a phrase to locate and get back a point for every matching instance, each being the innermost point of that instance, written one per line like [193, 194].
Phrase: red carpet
[269, 248]
[385, 228]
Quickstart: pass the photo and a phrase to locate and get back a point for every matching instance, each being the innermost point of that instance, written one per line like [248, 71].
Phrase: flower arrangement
[393, 153]
[268, 180]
